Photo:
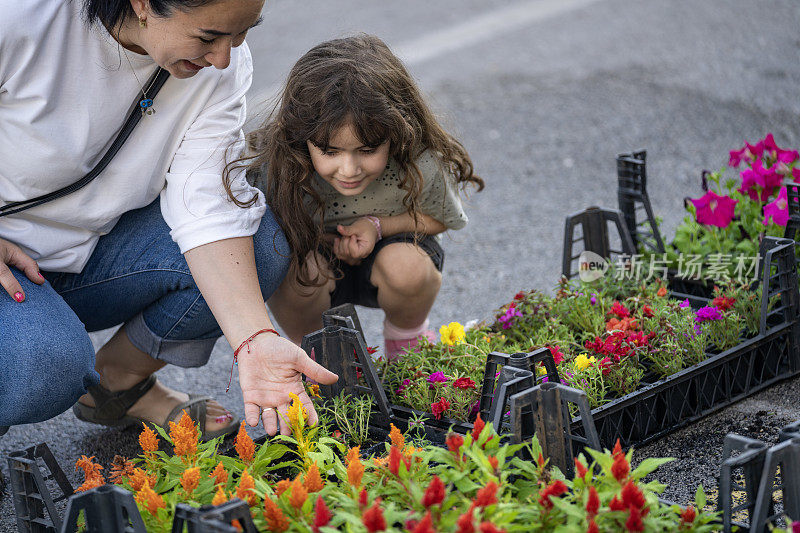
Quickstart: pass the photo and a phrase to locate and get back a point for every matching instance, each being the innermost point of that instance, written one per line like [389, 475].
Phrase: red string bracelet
[244, 343]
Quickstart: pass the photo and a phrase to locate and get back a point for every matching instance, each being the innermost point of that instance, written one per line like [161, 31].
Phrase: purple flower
[437, 377]
[473, 412]
[593, 299]
[508, 318]
[707, 313]
[402, 387]
[685, 303]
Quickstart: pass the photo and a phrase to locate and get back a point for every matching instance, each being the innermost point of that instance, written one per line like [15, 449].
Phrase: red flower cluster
[647, 311]
[434, 494]
[723, 303]
[439, 408]
[620, 310]
[620, 468]
[556, 489]
[556, 353]
[464, 383]
[617, 345]
[634, 502]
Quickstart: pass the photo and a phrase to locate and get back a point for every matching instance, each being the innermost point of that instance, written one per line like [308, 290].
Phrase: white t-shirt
[65, 90]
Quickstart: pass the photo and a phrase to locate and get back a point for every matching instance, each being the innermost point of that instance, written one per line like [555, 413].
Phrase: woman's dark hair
[355, 80]
[112, 13]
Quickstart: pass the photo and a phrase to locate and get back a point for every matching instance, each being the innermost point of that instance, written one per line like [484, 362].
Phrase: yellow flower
[313, 391]
[297, 412]
[540, 370]
[452, 333]
[582, 362]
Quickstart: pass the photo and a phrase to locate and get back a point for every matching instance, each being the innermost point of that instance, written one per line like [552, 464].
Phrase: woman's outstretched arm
[226, 274]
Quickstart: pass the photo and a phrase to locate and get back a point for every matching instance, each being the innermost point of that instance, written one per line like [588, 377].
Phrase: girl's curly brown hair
[355, 80]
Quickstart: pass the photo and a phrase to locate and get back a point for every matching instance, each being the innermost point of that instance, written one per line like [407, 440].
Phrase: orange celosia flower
[91, 471]
[276, 520]
[148, 498]
[120, 468]
[184, 436]
[313, 481]
[397, 437]
[219, 474]
[355, 469]
[662, 291]
[282, 486]
[220, 497]
[148, 440]
[246, 489]
[138, 478]
[245, 446]
[190, 479]
[299, 494]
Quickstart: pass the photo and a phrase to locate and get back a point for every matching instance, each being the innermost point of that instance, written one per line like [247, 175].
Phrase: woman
[153, 242]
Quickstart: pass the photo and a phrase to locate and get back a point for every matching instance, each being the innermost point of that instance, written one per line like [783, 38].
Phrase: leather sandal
[112, 407]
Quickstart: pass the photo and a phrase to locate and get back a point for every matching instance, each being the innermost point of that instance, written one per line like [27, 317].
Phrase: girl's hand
[357, 241]
[271, 370]
[12, 255]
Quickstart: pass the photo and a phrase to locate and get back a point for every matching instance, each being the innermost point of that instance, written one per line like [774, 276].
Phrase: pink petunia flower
[507, 320]
[777, 210]
[714, 210]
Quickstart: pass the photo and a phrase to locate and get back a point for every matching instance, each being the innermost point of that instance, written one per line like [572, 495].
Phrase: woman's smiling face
[189, 40]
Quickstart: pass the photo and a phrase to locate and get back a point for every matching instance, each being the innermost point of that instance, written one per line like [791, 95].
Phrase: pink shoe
[396, 347]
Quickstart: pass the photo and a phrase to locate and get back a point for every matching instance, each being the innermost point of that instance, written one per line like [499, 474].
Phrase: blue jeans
[136, 276]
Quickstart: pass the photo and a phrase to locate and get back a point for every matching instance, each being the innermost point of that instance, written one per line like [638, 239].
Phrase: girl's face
[347, 164]
[185, 42]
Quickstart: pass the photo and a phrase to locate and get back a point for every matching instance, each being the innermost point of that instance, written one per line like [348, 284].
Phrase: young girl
[363, 179]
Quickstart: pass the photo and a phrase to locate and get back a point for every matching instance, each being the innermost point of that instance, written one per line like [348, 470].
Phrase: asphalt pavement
[544, 94]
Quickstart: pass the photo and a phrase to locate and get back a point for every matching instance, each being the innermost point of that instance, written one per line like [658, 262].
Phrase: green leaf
[649, 465]
[700, 498]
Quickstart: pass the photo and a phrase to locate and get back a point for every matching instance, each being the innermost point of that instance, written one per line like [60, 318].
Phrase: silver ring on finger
[265, 409]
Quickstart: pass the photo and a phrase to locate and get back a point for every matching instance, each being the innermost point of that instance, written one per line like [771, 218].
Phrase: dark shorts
[355, 286]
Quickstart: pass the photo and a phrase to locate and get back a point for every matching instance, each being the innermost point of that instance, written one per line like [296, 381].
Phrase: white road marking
[468, 33]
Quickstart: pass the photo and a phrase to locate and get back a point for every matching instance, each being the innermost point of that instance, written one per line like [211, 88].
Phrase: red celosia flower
[322, 515]
[477, 427]
[440, 408]
[362, 499]
[617, 449]
[373, 518]
[688, 516]
[620, 310]
[395, 456]
[593, 503]
[632, 496]
[487, 495]
[616, 505]
[493, 462]
[464, 383]
[579, 468]
[592, 527]
[634, 521]
[434, 494]
[723, 303]
[425, 525]
[454, 443]
[488, 527]
[556, 488]
[464, 522]
[620, 468]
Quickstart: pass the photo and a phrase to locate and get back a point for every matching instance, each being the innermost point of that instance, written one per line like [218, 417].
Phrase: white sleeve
[194, 202]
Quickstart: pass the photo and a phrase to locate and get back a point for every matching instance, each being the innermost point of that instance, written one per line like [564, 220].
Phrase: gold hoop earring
[142, 21]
